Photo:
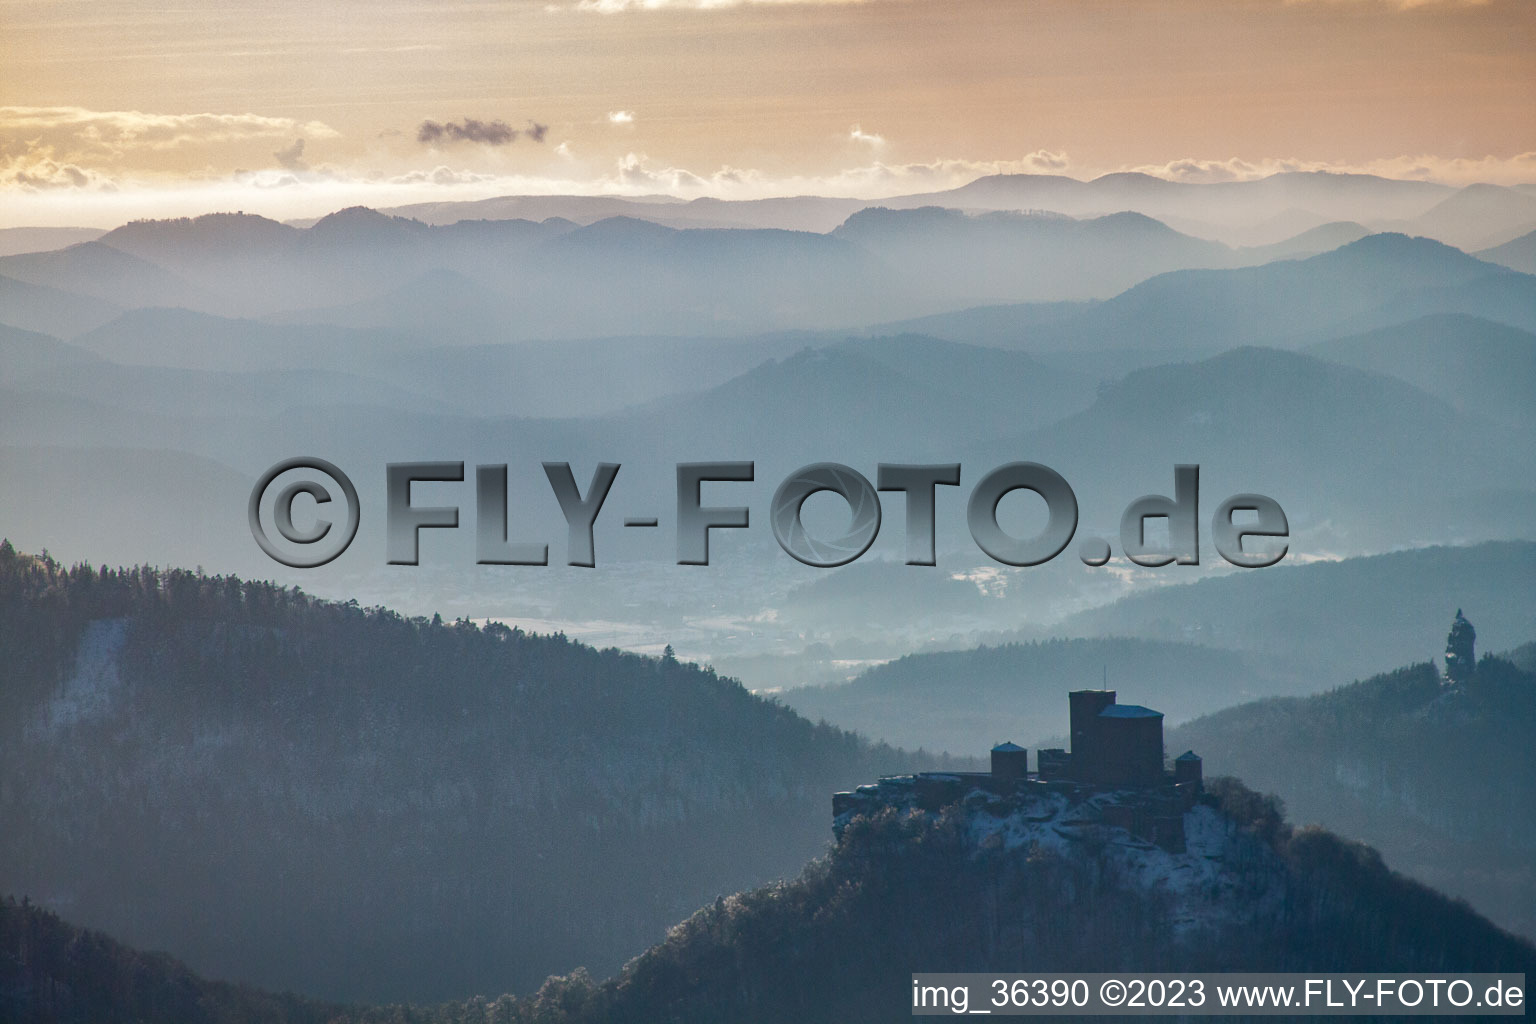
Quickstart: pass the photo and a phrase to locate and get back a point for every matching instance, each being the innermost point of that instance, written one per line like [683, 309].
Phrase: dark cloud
[292, 157]
[486, 133]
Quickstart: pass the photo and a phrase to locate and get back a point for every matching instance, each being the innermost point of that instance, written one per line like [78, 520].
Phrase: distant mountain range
[492, 281]
[545, 267]
[1376, 389]
[1241, 213]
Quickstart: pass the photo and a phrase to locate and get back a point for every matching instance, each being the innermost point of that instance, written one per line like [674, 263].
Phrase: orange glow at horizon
[750, 98]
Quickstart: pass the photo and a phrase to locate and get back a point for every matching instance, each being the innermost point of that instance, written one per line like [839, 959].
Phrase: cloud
[75, 148]
[633, 173]
[1208, 171]
[410, 48]
[1043, 161]
[618, 6]
[441, 175]
[622, 6]
[1401, 5]
[485, 133]
[875, 180]
[79, 135]
[621, 117]
[489, 133]
[292, 157]
[46, 174]
[1513, 170]
[857, 134]
[114, 129]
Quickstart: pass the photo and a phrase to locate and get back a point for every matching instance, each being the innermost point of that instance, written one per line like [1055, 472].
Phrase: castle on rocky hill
[1116, 763]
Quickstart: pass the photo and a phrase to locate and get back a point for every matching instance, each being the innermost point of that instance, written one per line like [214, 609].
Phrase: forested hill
[1437, 777]
[957, 891]
[346, 802]
[969, 888]
[53, 972]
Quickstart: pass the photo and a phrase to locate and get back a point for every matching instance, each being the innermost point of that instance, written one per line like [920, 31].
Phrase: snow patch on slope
[90, 690]
[1206, 883]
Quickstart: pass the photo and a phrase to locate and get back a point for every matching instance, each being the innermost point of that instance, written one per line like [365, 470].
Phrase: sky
[110, 111]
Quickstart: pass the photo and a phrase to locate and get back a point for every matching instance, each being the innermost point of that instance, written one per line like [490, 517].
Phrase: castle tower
[1129, 747]
[1010, 762]
[1459, 655]
[1087, 748]
[1188, 767]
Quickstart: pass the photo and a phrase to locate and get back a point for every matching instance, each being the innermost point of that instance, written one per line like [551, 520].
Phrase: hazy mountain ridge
[1281, 423]
[363, 791]
[134, 484]
[1282, 300]
[539, 379]
[858, 401]
[1478, 216]
[1323, 238]
[1253, 212]
[1331, 617]
[1236, 209]
[23, 353]
[52, 972]
[837, 943]
[1476, 365]
[44, 239]
[877, 398]
[1519, 254]
[1111, 394]
[98, 270]
[47, 310]
[1432, 775]
[492, 280]
[995, 256]
[1374, 281]
[966, 701]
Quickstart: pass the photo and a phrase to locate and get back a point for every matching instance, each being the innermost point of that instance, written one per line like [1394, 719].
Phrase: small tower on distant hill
[1459, 656]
